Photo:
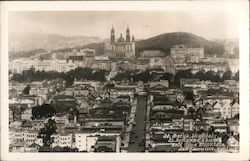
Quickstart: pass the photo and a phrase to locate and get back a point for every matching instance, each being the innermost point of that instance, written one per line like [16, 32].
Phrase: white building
[226, 108]
[87, 141]
[27, 114]
[62, 140]
[151, 53]
[22, 64]
[29, 137]
[234, 65]
[182, 53]
[157, 62]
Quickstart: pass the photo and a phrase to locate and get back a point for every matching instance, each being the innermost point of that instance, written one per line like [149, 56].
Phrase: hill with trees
[165, 41]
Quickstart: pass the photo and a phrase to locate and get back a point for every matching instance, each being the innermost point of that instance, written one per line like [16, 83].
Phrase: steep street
[138, 133]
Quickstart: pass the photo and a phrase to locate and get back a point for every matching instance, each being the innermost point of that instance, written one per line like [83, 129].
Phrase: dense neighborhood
[77, 101]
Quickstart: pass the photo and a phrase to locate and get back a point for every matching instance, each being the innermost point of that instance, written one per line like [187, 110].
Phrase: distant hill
[33, 41]
[98, 46]
[161, 42]
[165, 41]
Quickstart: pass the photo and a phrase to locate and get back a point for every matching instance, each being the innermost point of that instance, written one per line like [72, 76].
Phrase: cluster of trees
[43, 111]
[46, 132]
[47, 111]
[146, 76]
[78, 73]
[205, 76]
[84, 73]
[32, 75]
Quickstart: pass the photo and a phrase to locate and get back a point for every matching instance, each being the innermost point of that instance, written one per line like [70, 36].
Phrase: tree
[224, 138]
[236, 76]
[189, 96]
[227, 75]
[167, 76]
[182, 74]
[200, 75]
[212, 76]
[124, 75]
[43, 111]
[78, 73]
[26, 90]
[211, 130]
[46, 132]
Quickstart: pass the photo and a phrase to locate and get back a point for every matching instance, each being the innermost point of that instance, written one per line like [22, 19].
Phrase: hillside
[98, 46]
[165, 41]
[45, 41]
[161, 42]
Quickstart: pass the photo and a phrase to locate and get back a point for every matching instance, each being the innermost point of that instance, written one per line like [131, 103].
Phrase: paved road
[138, 129]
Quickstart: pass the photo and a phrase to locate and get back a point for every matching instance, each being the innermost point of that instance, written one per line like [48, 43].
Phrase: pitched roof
[161, 83]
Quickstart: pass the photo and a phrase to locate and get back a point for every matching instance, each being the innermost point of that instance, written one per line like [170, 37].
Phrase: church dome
[121, 39]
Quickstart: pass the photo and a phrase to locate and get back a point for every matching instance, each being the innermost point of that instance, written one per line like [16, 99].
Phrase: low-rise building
[233, 144]
[151, 53]
[157, 63]
[27, 114]
[62, 140]
[159, 87]
[87, 141]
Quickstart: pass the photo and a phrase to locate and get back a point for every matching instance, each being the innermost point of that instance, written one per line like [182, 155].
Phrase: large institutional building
[182, 53]
[122, 47]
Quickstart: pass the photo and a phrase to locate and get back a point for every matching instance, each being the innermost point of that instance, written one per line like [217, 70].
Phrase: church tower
[112, 35]
[127, 35]
[133, 38]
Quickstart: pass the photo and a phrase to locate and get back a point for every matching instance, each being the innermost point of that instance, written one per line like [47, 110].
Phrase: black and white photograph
[154, 81]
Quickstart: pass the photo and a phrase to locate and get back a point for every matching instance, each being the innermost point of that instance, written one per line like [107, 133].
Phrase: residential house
[201, 125]
[159, 87]
[27, 114]
[233, 125]
[219, 127]
[233, 144]
[188, 124]
[122, 90]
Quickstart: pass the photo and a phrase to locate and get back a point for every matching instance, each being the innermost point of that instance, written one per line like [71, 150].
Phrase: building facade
[181, 53]
[122, 47]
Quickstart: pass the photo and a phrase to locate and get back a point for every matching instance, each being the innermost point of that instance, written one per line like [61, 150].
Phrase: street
[136, 143]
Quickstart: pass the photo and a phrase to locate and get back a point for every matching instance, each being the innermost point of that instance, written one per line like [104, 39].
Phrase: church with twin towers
[120, 47]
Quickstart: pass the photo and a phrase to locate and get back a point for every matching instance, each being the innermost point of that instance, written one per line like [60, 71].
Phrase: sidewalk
[147, 137]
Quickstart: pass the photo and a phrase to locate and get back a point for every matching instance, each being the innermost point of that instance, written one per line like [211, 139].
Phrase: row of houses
[213, 116]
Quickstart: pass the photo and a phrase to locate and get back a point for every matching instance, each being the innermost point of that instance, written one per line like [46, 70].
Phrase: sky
[143, 24]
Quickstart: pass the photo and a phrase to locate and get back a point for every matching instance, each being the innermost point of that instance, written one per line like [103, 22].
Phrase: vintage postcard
[116, 80]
